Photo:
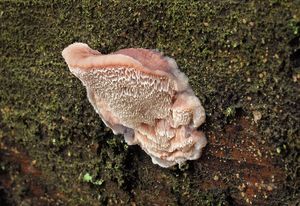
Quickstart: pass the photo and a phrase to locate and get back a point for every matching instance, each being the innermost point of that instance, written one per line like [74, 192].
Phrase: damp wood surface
[242, 59]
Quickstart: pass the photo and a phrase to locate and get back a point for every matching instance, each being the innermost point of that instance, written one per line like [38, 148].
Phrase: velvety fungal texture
[141, 94]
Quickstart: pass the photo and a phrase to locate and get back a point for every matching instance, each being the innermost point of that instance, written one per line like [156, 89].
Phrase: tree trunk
[242, 59]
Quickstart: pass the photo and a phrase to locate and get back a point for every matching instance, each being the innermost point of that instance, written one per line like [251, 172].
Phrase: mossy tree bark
[242, 59]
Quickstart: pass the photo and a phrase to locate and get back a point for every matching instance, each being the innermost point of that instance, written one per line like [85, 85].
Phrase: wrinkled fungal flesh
[141, 94]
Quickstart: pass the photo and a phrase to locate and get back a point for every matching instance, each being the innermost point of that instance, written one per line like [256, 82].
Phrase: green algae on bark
[240, 57]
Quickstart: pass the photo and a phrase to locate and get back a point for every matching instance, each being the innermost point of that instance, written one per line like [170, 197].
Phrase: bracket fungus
[141, 94]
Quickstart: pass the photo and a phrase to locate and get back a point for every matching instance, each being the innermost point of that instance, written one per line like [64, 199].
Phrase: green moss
[238, 57]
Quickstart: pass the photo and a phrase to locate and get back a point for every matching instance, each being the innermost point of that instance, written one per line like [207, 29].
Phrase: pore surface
[141, 94]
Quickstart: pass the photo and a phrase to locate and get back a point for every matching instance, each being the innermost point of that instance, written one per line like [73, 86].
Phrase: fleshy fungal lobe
[142, 94]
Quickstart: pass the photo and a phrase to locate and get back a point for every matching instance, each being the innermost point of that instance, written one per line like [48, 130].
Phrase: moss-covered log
[242, 59]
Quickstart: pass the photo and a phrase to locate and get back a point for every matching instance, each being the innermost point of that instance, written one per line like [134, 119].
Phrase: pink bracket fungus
[141, 94]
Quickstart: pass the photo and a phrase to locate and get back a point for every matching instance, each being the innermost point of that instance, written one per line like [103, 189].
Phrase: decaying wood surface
[235, 161]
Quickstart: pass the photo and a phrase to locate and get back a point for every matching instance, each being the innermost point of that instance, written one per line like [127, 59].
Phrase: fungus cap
[143, 95]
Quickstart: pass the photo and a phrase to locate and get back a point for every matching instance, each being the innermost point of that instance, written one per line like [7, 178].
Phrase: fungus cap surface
[143, 95]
